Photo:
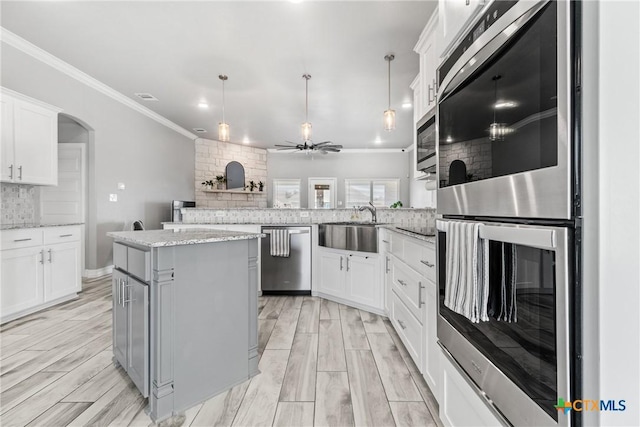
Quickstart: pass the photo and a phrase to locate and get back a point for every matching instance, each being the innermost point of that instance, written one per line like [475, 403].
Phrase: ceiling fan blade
[293, 143]
[320, 144]
[286, 146]
[333, 150]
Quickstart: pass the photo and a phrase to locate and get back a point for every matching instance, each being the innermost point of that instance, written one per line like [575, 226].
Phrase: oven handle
[543, 238]
[487, 44]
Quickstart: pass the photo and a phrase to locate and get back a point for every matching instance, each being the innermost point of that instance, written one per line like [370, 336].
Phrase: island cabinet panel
[192, 328]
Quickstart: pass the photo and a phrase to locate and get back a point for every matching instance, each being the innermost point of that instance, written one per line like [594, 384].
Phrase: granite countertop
[193, 236]
[394, 228]
[35, 225]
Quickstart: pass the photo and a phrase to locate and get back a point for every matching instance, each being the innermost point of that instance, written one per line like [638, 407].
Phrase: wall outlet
[304, 214]
[220, 213]
[121, 186]
[113, 197]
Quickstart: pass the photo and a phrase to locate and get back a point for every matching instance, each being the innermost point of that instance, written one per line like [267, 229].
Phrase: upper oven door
[426, 142]
[503, 134]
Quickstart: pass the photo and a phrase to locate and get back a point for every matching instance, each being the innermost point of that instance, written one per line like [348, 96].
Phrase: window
[286, 193]
[381, 192]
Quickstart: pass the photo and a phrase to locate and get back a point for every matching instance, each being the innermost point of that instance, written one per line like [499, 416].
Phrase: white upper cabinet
[455, 16]
[429, 61]
[29, 140]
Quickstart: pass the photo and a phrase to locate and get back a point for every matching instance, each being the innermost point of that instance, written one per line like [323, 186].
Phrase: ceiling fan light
[306, 131]
[389, 120]
[223, 132]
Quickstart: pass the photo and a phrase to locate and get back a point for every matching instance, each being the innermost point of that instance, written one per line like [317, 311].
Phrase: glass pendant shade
[223, 132]
[306, 131]
[389, 120]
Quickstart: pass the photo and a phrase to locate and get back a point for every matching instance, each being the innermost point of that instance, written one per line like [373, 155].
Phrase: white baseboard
[93, 274]
[349, 303]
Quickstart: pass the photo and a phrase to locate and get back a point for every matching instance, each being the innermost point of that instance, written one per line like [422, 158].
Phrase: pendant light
[306, 126]
[497, 131]
[389, 114]
[223, 127]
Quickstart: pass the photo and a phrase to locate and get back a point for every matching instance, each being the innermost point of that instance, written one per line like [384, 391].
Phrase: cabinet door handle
[401, 323]
[420, 288]
[385, 241]
[42, 256]
[10, 171]
[20, 173]
[340, 262]
[386, 266]
[66, 235]
[49, 255]
[129, 299]
[427, 263]
[122, 292]
[468, 2]
[22, 240]
[347, 263]
[402, 282]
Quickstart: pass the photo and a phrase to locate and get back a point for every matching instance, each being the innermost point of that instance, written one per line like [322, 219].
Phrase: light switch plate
[113, 197]
[121, 186]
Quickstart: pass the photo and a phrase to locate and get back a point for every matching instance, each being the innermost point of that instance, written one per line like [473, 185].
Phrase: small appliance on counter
[176, 205]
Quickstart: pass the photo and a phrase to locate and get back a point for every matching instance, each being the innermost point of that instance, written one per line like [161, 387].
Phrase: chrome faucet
[371, 209]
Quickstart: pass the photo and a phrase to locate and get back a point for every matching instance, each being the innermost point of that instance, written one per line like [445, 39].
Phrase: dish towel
[280, 242]
[502, 302]
[466, 289]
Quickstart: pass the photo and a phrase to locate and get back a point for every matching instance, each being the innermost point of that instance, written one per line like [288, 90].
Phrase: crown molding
[42, 55]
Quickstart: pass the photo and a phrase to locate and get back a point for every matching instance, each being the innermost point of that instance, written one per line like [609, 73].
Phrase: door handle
[49, 255]
[401, 323]
[10, 171]
[347, 263]
[385, 241]
[42, 256]
[386, 266]
[122, 292]
[20, 173]
[340, 262]
[129, 299]
[427, 263]
[420, 288]
[402, 282]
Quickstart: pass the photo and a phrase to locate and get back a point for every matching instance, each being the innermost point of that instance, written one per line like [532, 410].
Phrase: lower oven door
[519, 358]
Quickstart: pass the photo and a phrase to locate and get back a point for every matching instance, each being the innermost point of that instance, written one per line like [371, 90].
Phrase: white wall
[339, 165]
[611, 66]
[154, 162]
[422, 193]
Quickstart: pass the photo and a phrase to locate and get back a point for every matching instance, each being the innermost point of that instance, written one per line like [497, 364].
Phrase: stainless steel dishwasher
[289, 275]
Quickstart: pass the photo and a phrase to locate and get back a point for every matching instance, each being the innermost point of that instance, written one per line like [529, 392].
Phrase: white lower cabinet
[40, 266]
[460, 404]
[351, 278]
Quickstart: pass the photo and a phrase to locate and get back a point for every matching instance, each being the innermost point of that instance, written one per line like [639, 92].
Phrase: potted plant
[252, 185]
[220, 180]
[208, 184]
[396, 205]
[260, 186]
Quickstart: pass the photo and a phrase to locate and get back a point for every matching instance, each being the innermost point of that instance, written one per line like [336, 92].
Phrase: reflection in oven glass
[523, 343]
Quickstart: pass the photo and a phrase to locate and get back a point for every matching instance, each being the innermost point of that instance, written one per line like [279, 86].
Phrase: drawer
[139, 263]
[120, 256]
[54, 235]
[22, 238]
[421, 256]
[409, 285]
[408, 328]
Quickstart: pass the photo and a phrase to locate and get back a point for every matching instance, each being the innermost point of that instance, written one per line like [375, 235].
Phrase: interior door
[322, 193]
[65, 202]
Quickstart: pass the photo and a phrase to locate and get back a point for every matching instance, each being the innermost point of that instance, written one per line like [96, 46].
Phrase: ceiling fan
[307, 146]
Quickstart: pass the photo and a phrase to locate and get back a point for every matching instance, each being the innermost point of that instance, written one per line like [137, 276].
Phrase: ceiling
[176, 50]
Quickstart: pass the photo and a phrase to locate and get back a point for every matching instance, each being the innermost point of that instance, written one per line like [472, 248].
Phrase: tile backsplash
[406, 217]
[18, 204]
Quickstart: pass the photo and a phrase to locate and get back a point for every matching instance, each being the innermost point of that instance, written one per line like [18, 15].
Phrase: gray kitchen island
[185, 307]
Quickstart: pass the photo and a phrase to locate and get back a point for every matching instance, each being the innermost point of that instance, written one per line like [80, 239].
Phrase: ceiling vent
[146, 96]
[200, 130]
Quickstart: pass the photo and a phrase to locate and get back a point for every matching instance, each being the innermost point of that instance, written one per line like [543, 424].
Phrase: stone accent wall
[476, 154]
[211, 159]
[406, 217]
[19, 203]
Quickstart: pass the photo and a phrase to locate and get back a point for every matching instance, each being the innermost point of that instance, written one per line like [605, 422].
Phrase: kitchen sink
[351, 236]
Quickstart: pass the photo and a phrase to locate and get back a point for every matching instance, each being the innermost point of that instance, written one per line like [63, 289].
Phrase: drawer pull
[401, 323]
[420, 288]
[385, 241]
[20, 173]
[402, 282]
[386, 267]
[427, 263]
[11, 172]
[49, 255]
[341, 263]
[22, 240]
[66, 235]
[42, 256]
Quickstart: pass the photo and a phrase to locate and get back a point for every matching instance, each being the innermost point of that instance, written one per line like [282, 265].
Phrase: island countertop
[160, 238]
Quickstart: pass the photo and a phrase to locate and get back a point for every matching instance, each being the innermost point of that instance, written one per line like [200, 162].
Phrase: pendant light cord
[306, 97]
[389, 62]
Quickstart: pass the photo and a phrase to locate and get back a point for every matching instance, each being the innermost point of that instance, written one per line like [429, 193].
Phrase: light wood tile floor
[322, 364]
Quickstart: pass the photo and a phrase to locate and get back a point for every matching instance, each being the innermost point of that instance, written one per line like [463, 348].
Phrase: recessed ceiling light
[406, 105]
[146, 96]
[203, 105]
[504, 104]
[246, 140]
[449, 139]
[200, 130]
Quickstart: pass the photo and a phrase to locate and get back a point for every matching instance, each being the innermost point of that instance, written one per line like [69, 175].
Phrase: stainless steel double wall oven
[507, 150]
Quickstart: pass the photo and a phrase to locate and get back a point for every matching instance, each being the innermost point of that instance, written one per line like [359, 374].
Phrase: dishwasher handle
[290, 231]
